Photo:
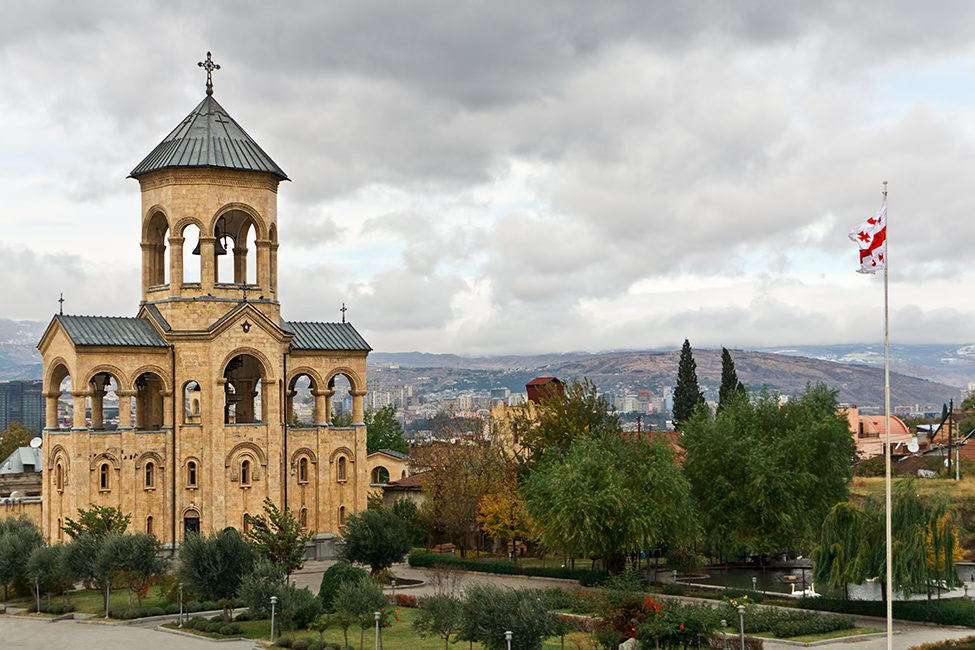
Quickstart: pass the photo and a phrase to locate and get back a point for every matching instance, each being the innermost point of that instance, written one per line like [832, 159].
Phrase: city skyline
[488, 179]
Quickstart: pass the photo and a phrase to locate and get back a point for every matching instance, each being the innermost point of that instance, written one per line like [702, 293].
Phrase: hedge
[420, 559]
[955, 611]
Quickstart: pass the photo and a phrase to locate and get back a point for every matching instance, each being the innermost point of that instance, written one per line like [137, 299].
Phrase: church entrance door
[191, 525]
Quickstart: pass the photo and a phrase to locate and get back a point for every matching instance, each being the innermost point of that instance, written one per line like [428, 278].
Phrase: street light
[37, 588]
[393, 582]
[724, 633]
[741, 618]
[378, 616]
[754, 583]
[274, 600]
[507, 637]
[181, 604]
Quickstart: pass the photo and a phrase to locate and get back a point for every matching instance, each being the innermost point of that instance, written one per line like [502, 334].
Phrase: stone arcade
[206, 372]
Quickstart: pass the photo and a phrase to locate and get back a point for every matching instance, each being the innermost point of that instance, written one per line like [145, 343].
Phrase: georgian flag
[871, 237]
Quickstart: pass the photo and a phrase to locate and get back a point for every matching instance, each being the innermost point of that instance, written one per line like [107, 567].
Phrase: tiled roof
[325, 336]
[209, 137]
[413, 481]
[106, 330]
[392, 452]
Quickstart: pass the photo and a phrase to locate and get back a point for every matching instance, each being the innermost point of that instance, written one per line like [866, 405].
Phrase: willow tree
[845, 554]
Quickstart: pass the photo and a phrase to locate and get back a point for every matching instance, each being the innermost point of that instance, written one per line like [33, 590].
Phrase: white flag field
[871, 237]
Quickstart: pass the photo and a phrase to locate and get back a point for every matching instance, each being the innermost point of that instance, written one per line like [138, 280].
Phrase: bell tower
[208, 185]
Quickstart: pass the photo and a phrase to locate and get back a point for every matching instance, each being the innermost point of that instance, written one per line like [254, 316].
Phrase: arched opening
[156, 234]
[65, 406]
[150, 474]
[246, 524]
[59, 477]
[301, 402]
[303, 469]
[243, 394]
[304, 518]
[245, 472]
[403, 474]
[60, 531]
[341, 401]
[340, 471]
[191, 473]
[191, 261]
[191, 403]
[235, 231]
[148, 402]
[342, 516]
[102, 403]
[191, 522]
[380, 475]
[273, 236]
[149, 530]
[104, 477]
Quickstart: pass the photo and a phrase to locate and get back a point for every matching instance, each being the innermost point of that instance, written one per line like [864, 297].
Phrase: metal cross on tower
[209, 66]
[61, 305]
[343, 310]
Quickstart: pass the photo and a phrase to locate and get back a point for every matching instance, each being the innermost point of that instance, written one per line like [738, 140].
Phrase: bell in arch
[219, 248]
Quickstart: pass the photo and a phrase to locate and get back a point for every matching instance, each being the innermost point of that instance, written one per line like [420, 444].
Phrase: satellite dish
[913, 446]
[35, 443]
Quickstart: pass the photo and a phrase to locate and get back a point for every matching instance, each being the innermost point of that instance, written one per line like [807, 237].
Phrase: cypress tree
[688, 397]
[730, 386]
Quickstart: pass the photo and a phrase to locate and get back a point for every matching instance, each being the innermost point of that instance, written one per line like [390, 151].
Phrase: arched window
[342, 516]
[303, 470]
[60, 532]
[304, 517]
[149, 525]
[245, 472]
[59, 479]
[150, 475]
[341, 470]
[191, 473]
[103, 478]
[247, 524]
[403, 474]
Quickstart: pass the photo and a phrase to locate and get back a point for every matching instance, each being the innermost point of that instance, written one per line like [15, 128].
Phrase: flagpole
[890, 554]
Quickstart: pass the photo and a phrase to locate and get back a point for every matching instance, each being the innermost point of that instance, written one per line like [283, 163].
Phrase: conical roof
[209, 137]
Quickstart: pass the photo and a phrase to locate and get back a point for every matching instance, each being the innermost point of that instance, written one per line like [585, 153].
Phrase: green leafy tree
[489, 611]
[19, 536]
[439, 615]
[409, 514]
[765, 475]
[257, 587]
[144, 562]
[355, 603]
[276, 536]
[845, 554]
[215, 566]
[97, 521]
[304, 606]
[16, 435]
[335, 576]
[730, 386]
[383, 430]
[688, 398]
[79, 559]
[966, 422]
[580, 411]
[45, 566]
[609, 497]
[376, 538]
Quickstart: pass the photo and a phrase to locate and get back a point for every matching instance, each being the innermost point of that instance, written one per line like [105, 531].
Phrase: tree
[356, 602]
[409, 514]
[97, 521]
[560, 418]
[688, 398]
[19, 536]
[257, 587]
[730, 386]
[383, 430]
[143, 562]
[489, 611]
[608, 497]
[16, 435]
[503, 515]
[966, 423]
[765, 475]
[844, 555]
[45, 567]
[376, 538]
[215, 566]
[438, 615]
[336, 576]
[276, 536]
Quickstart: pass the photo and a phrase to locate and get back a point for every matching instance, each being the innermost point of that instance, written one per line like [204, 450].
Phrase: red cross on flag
[871, 237]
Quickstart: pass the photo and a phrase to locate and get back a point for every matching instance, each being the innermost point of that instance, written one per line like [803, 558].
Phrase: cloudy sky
[515, 177]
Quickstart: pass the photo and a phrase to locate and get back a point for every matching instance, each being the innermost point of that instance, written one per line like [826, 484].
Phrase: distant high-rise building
[22, 401]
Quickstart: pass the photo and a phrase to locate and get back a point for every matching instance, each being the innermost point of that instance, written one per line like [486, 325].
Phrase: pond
[772, 579]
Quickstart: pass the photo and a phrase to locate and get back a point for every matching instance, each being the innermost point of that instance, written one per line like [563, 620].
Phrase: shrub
[335, 576]
[675, 589]
[130, 613]
[201, 624]
[236, 628]
[947, 612]
[172, 609]
[194, 606]
[216, 619]
[209, 605]
[226, 630]
[316, 645]
[213, 628]
[56, 608]
[593, 579]
[734, 592]
[407, 600]
[245, 616]
[284, 641]
[299, 644]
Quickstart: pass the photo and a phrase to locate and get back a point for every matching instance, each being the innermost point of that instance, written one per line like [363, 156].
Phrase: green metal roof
[325, 336]
[106, 330]
[209, 137]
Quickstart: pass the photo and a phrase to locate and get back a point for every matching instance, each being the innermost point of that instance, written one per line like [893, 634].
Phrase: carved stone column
[358, 412]
[125, 408]
[175, 265]
[51, 410]
[323, 407]
[97, 406]
[79, 422]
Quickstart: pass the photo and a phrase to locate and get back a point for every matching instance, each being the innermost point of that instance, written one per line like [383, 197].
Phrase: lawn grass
[91, 601]
[810, 638]
[399, 636]
[957, 491]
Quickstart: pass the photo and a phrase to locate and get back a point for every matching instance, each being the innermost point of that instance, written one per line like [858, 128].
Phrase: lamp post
[754, 583]
[741, 619]
[181, 604]
[378, 616]
[274, 600]
[37, 588]
[393, 583]
[724, 633]
[507, 637]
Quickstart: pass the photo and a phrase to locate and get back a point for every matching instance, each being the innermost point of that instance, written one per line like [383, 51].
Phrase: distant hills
[927, 375]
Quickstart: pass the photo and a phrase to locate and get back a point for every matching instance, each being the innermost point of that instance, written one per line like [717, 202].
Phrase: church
[206, 372]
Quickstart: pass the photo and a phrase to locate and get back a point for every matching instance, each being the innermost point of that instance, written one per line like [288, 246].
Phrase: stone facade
[205, 375]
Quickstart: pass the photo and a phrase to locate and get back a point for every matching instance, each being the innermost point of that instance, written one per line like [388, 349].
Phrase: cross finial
[209, 66]
[61, 305]
[343, 310]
